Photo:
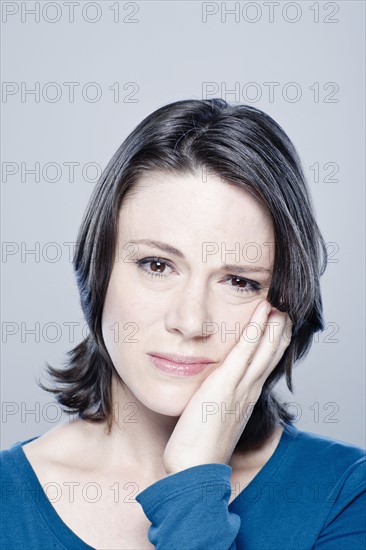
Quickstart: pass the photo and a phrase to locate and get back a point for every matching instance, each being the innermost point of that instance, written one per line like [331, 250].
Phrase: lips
[183, 359]
[179, 365]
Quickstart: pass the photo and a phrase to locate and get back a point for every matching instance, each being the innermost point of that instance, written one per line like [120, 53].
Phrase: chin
[165, 402]
[172, 411]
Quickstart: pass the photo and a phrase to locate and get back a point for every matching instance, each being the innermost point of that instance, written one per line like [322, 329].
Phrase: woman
[198, 266]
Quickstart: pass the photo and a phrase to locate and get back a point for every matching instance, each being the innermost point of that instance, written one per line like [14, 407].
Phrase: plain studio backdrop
[77, 77]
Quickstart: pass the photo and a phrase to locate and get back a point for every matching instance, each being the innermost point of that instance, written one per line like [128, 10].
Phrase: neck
[137, 438]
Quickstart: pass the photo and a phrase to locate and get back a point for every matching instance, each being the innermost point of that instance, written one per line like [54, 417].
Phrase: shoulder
[324, 448]
[335, 470]
[16, 478]
[10, 456]
[17, 457]
[335, 466]
[26, 462]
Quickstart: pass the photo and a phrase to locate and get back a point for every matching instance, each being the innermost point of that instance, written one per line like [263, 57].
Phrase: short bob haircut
[246, 148]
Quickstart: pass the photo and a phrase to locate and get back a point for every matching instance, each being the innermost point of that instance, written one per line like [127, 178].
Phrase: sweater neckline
[59, 527]
[266, 473]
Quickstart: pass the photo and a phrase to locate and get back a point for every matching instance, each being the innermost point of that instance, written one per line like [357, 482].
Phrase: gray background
[159, 52]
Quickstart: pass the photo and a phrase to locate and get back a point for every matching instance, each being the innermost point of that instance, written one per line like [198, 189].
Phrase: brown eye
[241, 283]
[243, 286]
[155, 267]
[160, 266]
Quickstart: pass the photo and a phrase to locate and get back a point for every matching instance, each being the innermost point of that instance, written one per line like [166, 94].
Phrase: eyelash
[255, 287]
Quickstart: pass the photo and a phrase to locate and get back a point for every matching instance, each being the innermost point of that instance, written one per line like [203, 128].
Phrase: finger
[283, 345]
[275, 340]
[242, 353]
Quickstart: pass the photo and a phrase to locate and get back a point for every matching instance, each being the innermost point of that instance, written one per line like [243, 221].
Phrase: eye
[243, 285]
[158, 266]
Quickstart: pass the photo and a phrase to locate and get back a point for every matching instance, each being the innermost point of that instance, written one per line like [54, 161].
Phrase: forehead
[185, 207]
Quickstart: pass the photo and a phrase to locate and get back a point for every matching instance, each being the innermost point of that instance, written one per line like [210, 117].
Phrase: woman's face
[190, 303]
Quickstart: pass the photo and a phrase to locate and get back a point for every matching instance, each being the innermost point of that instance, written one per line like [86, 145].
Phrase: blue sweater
[311, 494]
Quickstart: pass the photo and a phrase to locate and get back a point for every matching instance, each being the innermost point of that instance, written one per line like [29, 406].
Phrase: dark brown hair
[245, 147]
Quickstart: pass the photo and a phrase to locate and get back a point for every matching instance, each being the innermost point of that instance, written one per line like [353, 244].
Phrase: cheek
[128, 312]
[231, 323]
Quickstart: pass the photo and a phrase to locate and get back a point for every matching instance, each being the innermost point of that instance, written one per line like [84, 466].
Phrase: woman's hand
[202, 438]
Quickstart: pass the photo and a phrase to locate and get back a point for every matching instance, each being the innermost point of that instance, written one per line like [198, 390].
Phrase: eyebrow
[169, 249]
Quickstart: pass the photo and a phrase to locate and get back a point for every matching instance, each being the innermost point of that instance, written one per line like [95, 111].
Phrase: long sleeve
[189, 510]
[311, 494]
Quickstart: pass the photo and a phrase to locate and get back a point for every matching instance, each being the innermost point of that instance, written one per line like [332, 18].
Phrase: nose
[188, 313]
